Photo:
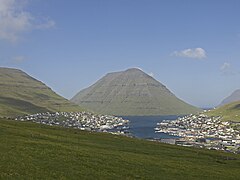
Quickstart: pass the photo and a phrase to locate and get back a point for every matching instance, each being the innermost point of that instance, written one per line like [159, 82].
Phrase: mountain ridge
[235, 96]
[23, 94]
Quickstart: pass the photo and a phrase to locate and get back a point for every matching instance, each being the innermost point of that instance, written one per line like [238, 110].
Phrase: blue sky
[193, 47]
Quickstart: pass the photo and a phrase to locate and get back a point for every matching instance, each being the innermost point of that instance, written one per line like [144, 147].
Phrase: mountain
[131, 92]
[229, 112]
[22, 94]
[235, 96]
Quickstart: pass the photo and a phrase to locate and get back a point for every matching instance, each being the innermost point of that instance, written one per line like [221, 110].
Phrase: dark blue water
[143, 126]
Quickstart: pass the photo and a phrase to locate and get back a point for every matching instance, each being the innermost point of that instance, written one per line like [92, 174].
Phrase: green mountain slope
[229, 112]
[22, 94]
[34, 151]
[131, 92]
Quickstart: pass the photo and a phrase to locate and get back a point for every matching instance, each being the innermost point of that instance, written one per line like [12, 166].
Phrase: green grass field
[34, 151]
[229, 112]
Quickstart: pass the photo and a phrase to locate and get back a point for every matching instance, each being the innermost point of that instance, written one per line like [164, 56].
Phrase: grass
[37, 151]
[229, 112]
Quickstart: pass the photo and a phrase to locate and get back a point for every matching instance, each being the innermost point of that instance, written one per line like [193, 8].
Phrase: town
[80, 120]
[203, 132]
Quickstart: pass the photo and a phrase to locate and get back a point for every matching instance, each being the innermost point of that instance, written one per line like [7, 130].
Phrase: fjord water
[143, 126]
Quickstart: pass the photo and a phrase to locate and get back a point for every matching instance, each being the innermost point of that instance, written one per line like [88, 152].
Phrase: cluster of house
[202, 131]
[80, 120]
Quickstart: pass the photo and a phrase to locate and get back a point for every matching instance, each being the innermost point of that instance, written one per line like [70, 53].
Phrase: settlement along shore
[202, 131]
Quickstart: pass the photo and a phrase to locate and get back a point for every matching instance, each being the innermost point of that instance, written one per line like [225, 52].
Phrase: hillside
[235, 96]
[22, 94]
[42, 152]
[229, 112]
[131, 92]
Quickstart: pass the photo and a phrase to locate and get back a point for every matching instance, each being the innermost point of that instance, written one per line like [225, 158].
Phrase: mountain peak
[131, 92]
[135, 69]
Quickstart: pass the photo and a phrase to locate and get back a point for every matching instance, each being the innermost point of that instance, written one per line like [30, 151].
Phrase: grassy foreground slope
[42, 152]
[229, 112]
[22, 94]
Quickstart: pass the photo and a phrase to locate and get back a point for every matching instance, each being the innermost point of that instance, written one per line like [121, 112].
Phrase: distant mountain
[235, 96]
[229, 112]
[131, 92]
[22, 94]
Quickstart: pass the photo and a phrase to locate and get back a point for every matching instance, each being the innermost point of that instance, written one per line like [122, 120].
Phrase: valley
[119, 90]
[42, 124]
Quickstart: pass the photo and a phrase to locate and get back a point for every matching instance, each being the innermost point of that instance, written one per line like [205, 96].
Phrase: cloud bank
[15, 20]
[197, 53]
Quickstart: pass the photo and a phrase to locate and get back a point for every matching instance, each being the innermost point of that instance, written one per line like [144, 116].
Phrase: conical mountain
[235, 96]
[131, 92]
[22, 94]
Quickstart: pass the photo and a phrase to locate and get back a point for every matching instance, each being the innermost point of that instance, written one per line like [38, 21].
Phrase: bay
[143, 126]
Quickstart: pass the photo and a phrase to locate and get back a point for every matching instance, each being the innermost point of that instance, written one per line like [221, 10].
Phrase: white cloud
[226, 69]
[197, 53]
[226, 66]
[14, 20]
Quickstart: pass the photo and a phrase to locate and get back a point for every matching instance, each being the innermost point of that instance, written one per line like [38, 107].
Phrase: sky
[192, 47]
